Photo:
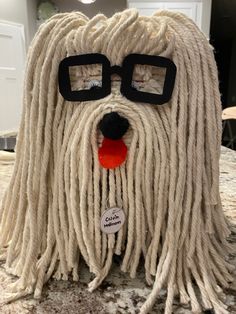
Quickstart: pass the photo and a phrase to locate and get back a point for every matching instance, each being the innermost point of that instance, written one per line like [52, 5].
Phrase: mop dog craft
[118, 153]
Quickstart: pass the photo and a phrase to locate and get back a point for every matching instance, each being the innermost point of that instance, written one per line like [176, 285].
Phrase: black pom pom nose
[113, 126]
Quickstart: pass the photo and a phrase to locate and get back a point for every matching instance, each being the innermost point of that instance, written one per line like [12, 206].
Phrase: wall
[206, 16]
[32, 16]
[107, 7]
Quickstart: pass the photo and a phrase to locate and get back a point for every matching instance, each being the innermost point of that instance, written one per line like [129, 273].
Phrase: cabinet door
[146, 8]
[191, 9]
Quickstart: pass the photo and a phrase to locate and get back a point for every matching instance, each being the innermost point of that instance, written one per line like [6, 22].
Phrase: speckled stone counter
[119, 293]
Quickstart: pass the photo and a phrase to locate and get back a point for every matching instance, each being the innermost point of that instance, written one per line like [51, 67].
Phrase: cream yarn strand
[168, 186]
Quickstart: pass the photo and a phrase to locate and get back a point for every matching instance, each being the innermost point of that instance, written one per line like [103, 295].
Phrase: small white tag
[112, 220]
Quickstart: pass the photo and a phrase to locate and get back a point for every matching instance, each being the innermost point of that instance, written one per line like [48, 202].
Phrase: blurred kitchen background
[19, 20]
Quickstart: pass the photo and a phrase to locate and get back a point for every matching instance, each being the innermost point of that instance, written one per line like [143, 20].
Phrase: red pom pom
[112, 153]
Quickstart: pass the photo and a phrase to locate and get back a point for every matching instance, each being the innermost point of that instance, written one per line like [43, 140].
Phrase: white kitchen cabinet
[147, 8]
[191, 9]
[199, 10]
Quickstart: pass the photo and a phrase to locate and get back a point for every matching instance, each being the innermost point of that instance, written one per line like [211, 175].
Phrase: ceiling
[107, 7]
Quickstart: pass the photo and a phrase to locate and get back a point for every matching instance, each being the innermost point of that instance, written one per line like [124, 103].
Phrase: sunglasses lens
[148, 79]
[85, 77]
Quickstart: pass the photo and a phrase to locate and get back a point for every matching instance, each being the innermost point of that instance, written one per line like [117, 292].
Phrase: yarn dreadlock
[168, 186]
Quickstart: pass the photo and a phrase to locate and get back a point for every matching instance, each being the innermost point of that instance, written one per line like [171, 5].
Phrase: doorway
[223, 39]
[12, 62]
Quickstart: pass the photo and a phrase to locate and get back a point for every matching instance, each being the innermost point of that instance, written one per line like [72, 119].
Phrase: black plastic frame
[126, 74]
[126, 85]
[83, 95]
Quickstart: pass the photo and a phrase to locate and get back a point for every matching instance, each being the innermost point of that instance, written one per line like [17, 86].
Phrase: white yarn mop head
[118, 153]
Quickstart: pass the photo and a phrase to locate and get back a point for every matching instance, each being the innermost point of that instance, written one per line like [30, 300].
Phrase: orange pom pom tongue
[112, 153]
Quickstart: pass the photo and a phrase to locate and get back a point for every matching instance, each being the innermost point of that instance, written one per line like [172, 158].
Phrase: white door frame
[11, 106]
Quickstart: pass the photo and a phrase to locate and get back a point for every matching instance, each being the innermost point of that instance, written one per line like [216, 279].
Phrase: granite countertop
[118, 293]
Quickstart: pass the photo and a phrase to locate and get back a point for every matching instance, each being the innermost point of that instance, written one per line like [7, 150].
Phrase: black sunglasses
[125, 72]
